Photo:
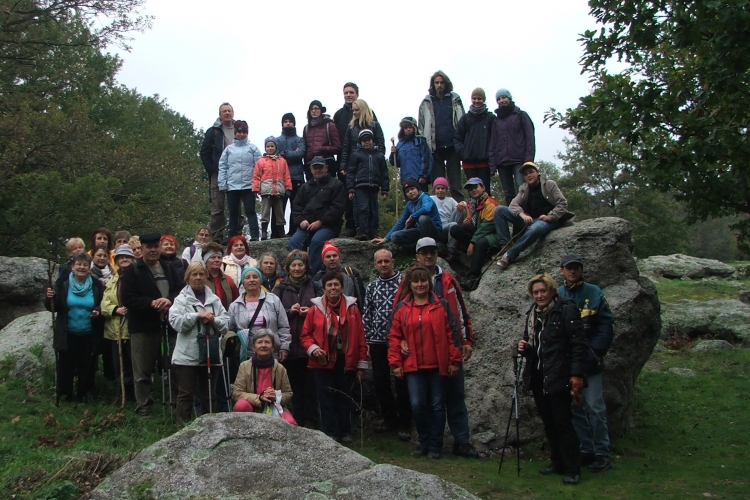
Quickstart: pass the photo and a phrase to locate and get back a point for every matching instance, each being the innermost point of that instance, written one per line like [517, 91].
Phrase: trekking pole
[395, 165]
[50, 271]
[168, 364]
[517, 366]
[208, 364]
[503, 250]
[122, 370]
[225, 376]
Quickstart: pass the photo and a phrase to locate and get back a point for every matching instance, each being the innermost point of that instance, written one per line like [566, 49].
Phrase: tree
[685, 93]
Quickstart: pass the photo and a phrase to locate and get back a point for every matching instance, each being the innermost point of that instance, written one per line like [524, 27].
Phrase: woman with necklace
[255, 309]
[423, 347]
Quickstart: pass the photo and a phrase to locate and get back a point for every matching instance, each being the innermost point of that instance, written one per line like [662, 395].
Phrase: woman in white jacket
[272, 315]
[197, 313]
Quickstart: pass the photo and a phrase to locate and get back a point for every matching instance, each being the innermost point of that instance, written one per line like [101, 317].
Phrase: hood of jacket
[318, 302]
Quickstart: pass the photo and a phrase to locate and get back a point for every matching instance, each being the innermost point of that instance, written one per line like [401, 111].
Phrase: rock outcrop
[244, 456]
[22, 287]
[29, 340]
[684, 266]
[498, 307]
[712, 319]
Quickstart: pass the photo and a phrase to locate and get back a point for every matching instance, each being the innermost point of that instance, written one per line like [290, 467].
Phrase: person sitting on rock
[477, 230]
[590, 419]
[538, 208]
[353, 284]
[451, 212]
[420, 219]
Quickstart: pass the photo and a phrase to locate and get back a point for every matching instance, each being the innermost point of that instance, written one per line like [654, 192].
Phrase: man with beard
[439, 114]
[292, 148]
[511, 143]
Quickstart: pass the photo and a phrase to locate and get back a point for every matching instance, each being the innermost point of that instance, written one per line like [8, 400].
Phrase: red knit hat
[329, 247]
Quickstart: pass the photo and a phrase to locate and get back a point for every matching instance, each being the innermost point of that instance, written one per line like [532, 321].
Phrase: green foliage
[78, 151]
[671, 291]
[683, 102]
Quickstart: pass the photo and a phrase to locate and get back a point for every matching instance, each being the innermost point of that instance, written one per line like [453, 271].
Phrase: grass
[671, 291]
[690, 440]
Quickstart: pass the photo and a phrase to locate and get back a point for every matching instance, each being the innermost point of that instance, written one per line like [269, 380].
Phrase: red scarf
[334, 326]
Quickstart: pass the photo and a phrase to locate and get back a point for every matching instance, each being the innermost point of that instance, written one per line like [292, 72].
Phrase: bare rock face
[249, 456]
[29, 340]
[679, 266]
[498, 308]
[22, 287]
[718, 319]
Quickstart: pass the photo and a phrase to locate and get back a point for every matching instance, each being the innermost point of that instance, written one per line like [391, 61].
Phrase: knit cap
[240, 126]
[273, 140]
[250, 269]
[408, 121]
[440, 181]
[365, 134]
[503, 93]
[289, 116]
[410, 183]
[479, 92]
[329, 247]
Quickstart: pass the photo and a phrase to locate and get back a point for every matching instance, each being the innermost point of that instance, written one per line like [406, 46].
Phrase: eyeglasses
[431, 251]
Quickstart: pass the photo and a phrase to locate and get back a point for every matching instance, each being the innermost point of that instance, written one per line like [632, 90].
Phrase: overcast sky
[268, 58]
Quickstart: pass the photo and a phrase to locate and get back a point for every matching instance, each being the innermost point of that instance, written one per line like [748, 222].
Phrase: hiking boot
[550, 469]
[346, 439]
[465, 450]
[504, 262]
[571, 478]
[469, 284]
[404, 435]
[362, 236]
[349, 233]
[419, 452]
[600, 464]
[434, 454]
[384, 427]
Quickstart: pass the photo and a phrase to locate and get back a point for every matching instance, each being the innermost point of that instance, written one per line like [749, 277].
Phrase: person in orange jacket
[272, 181]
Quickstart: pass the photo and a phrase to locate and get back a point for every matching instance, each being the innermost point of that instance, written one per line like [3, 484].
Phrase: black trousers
[395, 411]
[482, 248]
[304, 397]
[77, 359]
[557, 417]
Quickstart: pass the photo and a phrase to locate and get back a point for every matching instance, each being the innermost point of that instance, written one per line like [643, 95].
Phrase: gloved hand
[576, 386]
[288, 194]
[232, 348]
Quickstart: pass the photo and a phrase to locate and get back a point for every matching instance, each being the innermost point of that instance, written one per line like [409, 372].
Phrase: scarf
[80, 289]
[335, 322]
[240, 262]
[504, 111]
[538, 315]
[257, 363]
[103, 274]
[289, 131]
[273, 156]
[474, 206]
[298, 282]
[314, 122]
[478, 110]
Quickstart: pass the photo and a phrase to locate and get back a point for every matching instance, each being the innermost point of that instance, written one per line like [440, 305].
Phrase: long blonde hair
[365, 115]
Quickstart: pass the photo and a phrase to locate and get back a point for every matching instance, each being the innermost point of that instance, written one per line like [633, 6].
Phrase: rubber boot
[264, 231]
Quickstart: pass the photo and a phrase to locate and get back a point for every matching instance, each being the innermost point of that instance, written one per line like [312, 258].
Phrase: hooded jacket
[236, 165]
[423, 205]
[323, 200]
[551, 193]
[115, 325]
[314, 337]
[414, 158]
[271, 176]
[273, 313]
[183, 316]
[321, 140]
[292, 148]
[212, 148]
[427, 117]
[512, 140]
[472, 139]
[351, 142]
[367, 168]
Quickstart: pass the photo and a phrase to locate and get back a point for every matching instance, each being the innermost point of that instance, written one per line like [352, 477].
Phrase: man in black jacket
[317, 212]
[217, 138]
[149, 287]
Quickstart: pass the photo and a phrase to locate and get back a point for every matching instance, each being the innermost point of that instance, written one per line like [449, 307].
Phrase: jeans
[334, 390]
[511, 179]
[427, 407]
[537, 229]
[409, 237]
[313, 244]
[447, 163]
[247, 198]
[366, 210]
[218, 221]
[554, 410]
[454, 392]
[590, 420]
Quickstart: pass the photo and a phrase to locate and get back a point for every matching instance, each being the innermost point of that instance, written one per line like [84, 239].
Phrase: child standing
[366, 174]
[412, 155]
[272, 180]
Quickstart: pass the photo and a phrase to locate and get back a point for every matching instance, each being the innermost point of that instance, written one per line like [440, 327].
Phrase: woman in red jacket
[334, 338]
[423, 347]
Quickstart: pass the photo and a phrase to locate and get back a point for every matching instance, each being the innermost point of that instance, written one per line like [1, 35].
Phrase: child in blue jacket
[412, 154]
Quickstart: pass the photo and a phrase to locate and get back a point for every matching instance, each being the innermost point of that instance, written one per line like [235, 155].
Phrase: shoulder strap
[193, 248]
[328, 133]
[255, 316]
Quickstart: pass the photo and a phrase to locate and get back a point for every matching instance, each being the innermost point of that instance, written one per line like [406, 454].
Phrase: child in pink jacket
[272, 181]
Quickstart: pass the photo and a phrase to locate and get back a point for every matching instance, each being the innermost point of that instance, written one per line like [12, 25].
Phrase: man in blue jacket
[590, 419]
[217, 138]
[292, 148]
[420, 219]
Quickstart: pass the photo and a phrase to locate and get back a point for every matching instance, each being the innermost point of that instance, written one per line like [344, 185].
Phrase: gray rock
[713, 319]
[244, 456]
[684, 266]
[681, 372]
[29, 340]
[22, 287]
[713, 345]
[498, 308]
[744, 296]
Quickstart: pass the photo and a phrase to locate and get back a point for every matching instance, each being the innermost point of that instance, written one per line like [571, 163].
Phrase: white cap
[425, 243]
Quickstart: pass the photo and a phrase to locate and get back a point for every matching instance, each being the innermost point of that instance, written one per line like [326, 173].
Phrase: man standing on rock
[439, 113]
[217, 138]
[590, 419]
[149, 287]
[446, 287]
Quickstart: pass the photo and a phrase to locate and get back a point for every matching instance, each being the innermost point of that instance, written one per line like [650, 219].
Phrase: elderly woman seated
[261, 376]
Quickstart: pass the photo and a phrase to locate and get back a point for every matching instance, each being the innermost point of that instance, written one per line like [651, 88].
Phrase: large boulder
[712, 319]
[29, 340]
[22, 287]
[498, 307]
[684, 266]
[244, 456]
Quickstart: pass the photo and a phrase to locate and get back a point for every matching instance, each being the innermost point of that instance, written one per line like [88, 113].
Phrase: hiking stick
[50, 271]
[503, 250]
[208, 364]
[518, 364]
[122, 370]
[225, 376]
[398, 173]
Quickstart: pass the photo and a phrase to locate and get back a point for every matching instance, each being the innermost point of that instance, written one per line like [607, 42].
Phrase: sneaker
[465, 450]
[419, 452]
[550, 469]
[434, 454]
[600, 464]
[469, 284]
[504, 262]
[404, 435]
[571, 478]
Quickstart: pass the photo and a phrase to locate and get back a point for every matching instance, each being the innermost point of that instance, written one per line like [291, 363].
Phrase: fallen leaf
[15, 420]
